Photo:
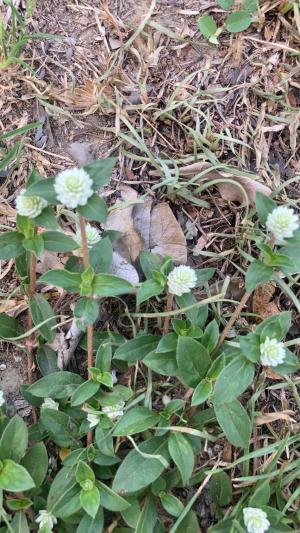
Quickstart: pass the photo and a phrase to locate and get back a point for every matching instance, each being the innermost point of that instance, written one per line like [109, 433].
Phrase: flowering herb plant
[122, 454]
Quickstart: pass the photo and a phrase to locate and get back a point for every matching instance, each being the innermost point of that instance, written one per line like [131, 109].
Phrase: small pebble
[3, 367]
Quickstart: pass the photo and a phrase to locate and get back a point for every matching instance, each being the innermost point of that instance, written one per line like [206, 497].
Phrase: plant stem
[232, 320]
[32, 287]
[86, 263]
[169, 305]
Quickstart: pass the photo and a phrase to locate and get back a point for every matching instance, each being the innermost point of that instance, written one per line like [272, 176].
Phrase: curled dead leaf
[262, 303]
[120, 219]
[228, 191]
[269, 418]
[166, 235]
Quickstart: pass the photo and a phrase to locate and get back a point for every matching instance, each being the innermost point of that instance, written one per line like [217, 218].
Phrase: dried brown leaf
[166, 235]
[120, 219]
[262, 303]
[269, 418]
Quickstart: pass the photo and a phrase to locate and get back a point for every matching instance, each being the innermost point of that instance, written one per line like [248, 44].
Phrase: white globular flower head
[30, 206]
[181, 280]
[255, 520]
[2, 399]
[93, 419]
[272, 352]
[46, 521]
[114, 411]
[48, 403]
[73, 187]
[92, 234]
[282, 222]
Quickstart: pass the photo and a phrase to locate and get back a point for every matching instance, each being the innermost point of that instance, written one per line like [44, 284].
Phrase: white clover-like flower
[272, 352]
[48, 403]
[93, 420]
[92, 235]
[73, 187]
[30, 206]
[2, 399]
[255, 520]
[282, 223]
[114, 411]
[181, 280]
[46, 521]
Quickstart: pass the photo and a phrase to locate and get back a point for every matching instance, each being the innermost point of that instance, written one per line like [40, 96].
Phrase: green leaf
[94, 209]
[289, 365]
[110, 499]
[56, 385]
[35, 245]
[60, 487]
[211, 336]
[221, 489]
[25, 225]
[202, 392]
[182, 454]
[264, 206]
[14, 478]
[69, 281]
[58, 425]
[171, 504]
[250, 5]
[137, 348]
[234, 379]
[261, 494]
[91, 525]
[101, 256]
[9, 327]
[250, 346]
[11, 245]
[197, 316]
[207, 25]
[193, 360]
[36, 463]
[56, 241]
[86, 312]
[167, 343]
[41, 310]
[257, 274]
[189, 524]
[100, 171]
[148, 517]
[284, 320]
[108, 285]
[90, 501]
[104, 441]
[46, 359]
[43, 188]
[136, 420]
[216, 367]
[14, 439]
[84, 392]
[226, 4]
[149, 263]
[137, 471]
[18, 504]
[84, 472]
[19, 523]
[163, 363]
[204, 275]
[293, 253]
[238, 21]
[235, 422]
[103, 357]
[147, 290]
[47, 219]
